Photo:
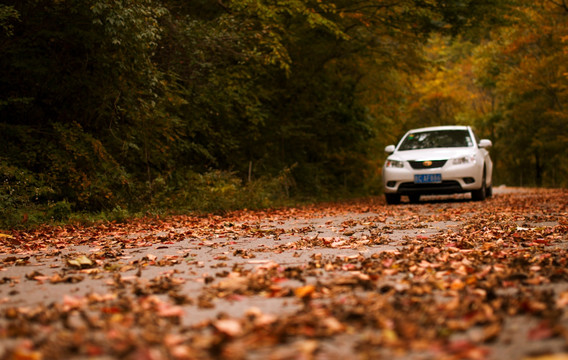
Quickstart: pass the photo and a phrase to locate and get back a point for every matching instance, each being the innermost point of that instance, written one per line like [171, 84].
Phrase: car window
[436, 139]
[477, 140]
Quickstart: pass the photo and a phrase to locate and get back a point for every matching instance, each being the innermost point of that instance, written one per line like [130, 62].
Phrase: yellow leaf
[389, 336]
[304, 291]
[80, 262]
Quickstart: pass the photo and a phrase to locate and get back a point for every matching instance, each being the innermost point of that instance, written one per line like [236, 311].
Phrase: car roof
[446, 127]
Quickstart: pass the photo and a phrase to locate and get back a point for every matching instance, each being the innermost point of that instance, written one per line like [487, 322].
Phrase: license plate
[427, 178]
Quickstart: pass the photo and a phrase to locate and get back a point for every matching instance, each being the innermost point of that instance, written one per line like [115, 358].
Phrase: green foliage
[219, 191]
[7, 16]
[59, 211]
[20, 195]
[120, 107]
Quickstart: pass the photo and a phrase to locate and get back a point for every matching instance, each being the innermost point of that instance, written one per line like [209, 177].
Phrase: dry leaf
[229, 327]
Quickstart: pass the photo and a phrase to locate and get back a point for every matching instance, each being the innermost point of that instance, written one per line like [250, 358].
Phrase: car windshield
[436, 139]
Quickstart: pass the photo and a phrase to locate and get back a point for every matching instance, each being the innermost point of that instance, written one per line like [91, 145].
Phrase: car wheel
[414, 198]
[489, 191]
[392, 199]
[480, 194]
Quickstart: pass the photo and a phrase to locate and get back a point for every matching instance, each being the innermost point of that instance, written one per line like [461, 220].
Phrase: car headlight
[470, 159]
[394, 163]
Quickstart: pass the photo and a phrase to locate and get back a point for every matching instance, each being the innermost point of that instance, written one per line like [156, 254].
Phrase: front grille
[445, 187]
[424, 164]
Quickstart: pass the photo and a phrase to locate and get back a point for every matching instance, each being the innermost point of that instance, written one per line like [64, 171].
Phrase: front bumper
[455, 179]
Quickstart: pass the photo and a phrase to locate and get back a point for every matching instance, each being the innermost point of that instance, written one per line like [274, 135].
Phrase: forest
[120, 107]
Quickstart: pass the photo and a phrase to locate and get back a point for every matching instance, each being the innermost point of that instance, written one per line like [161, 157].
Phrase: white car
[438, 160]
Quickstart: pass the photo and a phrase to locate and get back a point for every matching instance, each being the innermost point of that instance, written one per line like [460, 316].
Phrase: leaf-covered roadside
[443, 280]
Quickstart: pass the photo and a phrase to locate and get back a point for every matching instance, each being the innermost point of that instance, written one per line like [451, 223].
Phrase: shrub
[23, 196]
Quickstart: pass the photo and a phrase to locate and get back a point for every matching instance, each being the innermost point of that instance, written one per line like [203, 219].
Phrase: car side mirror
[389, 149]
[484, 144]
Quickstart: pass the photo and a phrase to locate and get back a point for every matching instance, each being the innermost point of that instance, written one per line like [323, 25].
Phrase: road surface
[446, 278]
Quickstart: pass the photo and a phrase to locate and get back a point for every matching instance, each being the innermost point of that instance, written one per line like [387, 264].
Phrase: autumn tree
[114, 104]
[524, 67]
[510, 85]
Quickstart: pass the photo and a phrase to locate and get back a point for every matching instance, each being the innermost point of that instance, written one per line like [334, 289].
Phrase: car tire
[414, 198]
[489, 191]
[392, 199]
[481, 193]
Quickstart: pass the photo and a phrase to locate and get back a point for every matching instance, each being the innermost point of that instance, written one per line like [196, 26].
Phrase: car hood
[432, 154]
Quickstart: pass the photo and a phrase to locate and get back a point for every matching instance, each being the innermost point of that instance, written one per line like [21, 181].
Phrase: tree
[87, 93]
[123, 103]
[527, 70]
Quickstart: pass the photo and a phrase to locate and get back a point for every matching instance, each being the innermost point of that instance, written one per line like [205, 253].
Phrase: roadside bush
[219, 191]
[22, 196]
[59, 211]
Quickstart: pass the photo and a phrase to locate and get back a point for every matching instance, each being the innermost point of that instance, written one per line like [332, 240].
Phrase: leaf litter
[450, 279]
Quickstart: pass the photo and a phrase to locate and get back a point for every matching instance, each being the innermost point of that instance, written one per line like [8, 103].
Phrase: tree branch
[222, 4]
[563, 4]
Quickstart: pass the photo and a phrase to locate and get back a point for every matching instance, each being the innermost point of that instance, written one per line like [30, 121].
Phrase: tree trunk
[538, 169]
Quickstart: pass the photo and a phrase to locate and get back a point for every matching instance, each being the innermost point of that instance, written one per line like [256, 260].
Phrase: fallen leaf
[305, 291]
[80, 262]
[229, 327]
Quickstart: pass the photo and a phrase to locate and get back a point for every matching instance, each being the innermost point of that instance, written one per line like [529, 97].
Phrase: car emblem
[427, 163]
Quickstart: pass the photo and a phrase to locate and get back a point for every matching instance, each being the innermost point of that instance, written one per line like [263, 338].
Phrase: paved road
[201, 271]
